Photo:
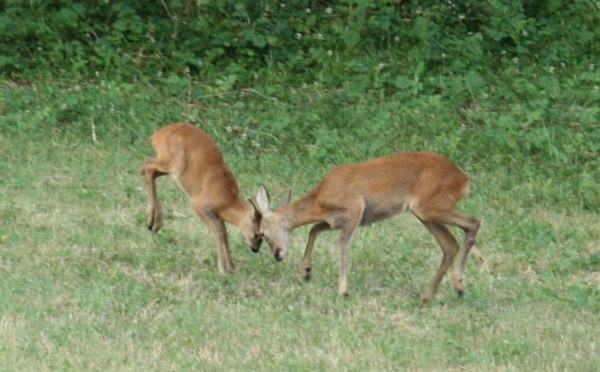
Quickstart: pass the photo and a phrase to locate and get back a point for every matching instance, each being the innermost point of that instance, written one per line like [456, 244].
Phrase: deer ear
[262, 198]
[257, 214]
[285, 199]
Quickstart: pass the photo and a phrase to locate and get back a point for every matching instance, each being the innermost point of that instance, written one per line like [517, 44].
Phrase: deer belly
[377, 212]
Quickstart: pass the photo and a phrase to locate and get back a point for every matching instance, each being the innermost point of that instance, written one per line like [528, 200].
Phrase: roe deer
[352, 195]
[194, 160]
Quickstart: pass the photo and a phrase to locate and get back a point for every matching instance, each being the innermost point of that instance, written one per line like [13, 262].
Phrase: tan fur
[352, 195]
[195, 162]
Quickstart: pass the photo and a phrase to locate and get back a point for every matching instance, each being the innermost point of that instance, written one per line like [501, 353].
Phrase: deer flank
[352, 195]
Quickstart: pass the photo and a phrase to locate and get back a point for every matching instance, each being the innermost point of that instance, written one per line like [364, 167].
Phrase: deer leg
[150, 172]
[217, 226]
[450, 249]
[312, 237]
[349, 226]
[470, 225]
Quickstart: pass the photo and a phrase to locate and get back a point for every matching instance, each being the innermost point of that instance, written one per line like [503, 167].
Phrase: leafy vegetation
[509, 90]
[500, 84]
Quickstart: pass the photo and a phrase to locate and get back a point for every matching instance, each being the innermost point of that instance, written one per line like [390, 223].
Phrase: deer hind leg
[449, 247]
[150, 171]
[217, 226]
[470, 225]
[305, 266]
[349, 225]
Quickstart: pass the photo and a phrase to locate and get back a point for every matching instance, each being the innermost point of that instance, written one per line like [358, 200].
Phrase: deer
[190, 156]
[352, 195]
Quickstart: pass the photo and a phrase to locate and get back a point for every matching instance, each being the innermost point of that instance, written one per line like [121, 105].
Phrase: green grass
[84, 285]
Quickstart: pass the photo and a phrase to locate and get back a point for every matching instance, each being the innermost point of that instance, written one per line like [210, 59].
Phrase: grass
[84, 285]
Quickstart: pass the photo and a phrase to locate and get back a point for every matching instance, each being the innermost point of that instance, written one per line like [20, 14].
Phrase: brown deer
[194, 160]
[352, 195]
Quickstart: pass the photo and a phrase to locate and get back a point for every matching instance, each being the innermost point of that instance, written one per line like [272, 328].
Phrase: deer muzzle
[278, 254]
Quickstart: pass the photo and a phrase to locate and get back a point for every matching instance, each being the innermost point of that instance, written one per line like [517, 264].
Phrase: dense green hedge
[131, 37]
[494, 83]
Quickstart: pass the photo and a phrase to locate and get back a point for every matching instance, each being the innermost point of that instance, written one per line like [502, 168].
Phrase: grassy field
[508, 90]
[85, 287]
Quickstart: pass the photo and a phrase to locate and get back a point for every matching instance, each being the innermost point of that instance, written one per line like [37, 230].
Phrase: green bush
[502, 84]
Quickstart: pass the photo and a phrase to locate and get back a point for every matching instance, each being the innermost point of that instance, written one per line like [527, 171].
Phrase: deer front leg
[305, 266]
[150, 172]
[217, 226]
[349, 226]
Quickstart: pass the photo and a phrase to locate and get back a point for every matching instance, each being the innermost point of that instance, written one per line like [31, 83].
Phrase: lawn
[85, 286]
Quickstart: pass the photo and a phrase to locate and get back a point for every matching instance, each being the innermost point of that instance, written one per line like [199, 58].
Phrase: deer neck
[299, 213]
[234, 213]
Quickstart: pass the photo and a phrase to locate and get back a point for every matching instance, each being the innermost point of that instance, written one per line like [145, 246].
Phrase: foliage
[304, 40]
[313, 128]
[496, 84]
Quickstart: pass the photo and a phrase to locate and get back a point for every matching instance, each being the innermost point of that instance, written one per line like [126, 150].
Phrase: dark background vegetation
[510, 86]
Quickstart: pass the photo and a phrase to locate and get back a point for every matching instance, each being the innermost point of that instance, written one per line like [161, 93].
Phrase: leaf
[256, 40]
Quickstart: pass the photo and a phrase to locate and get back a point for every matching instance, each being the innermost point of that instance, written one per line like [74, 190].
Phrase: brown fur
[195, 162]
[352, 195]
